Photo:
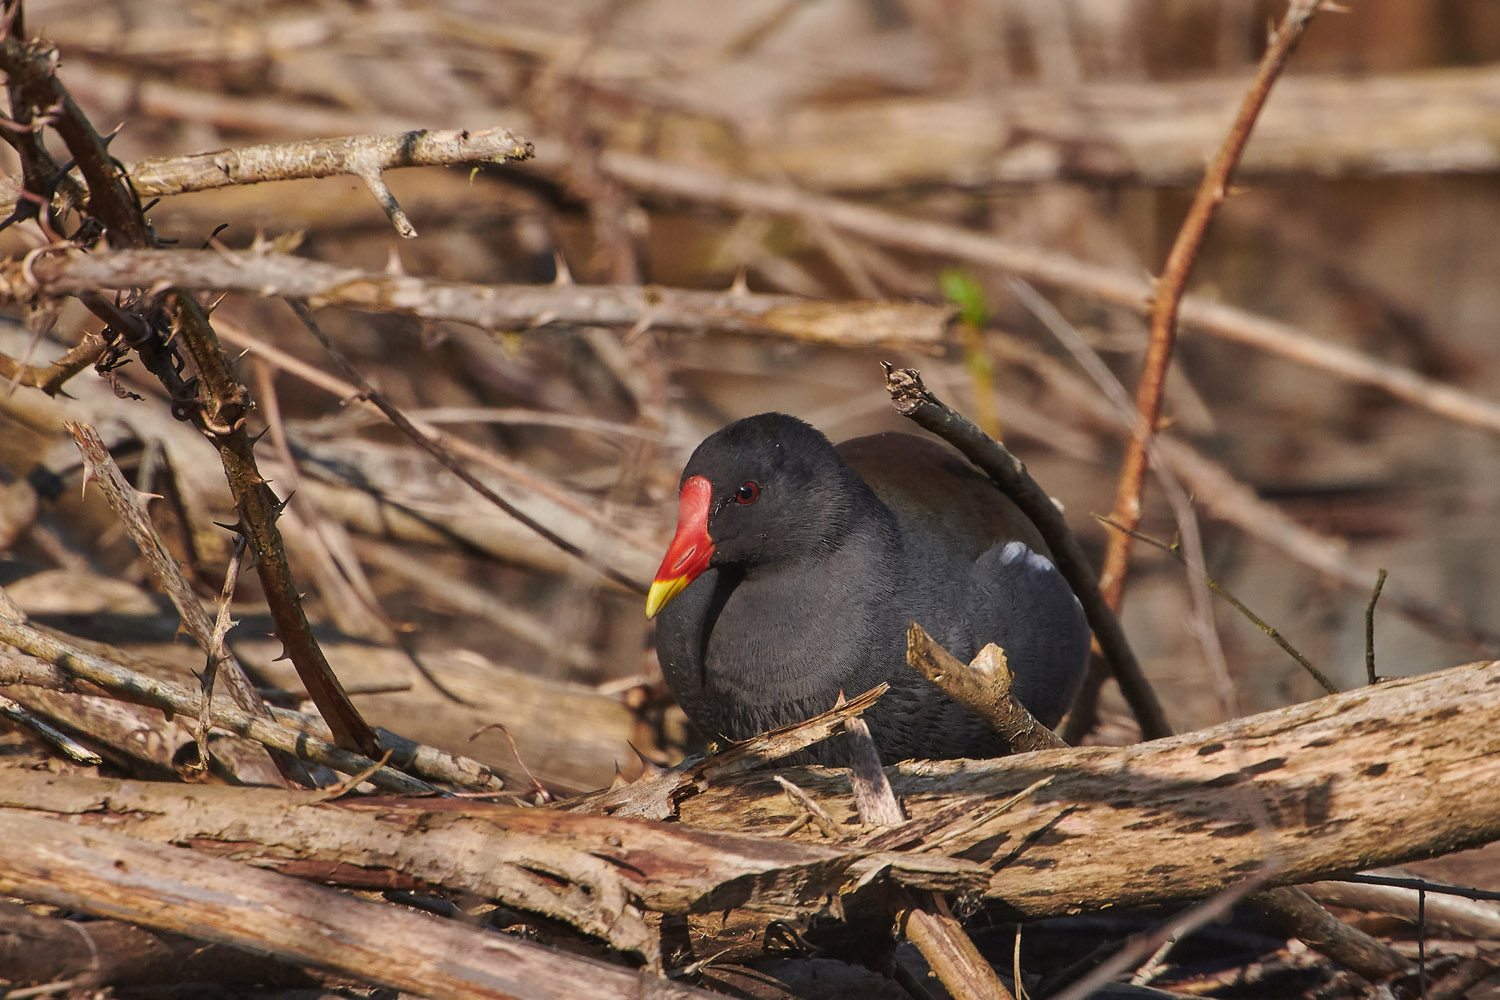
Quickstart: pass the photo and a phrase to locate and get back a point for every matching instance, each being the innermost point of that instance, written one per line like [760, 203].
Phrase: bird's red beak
[691, 547]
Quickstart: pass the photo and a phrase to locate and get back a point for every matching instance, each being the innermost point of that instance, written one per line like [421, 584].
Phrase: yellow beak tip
[661, 592]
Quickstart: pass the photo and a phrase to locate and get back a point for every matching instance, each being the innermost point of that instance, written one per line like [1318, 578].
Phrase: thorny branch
[494, 307]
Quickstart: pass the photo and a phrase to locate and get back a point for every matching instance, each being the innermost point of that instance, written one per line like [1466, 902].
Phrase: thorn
[542, 320]
[280, 508]
[284, 656]
[619, 779]
[634, 333]
[564, 275]
[740, 285]
[255, 438]
[147, 497]
[648, 766]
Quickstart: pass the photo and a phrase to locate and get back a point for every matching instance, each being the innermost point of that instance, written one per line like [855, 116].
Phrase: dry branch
[1216, 490]
[184, 892]
[493, 307]
[593, 872]
[364, 156]
[36, 949]
[130, 508]
[1369, 777]
[655, 795]
[982, 686]
[1167, 292]
[1156, 132]
[58, 662]
[213, 399]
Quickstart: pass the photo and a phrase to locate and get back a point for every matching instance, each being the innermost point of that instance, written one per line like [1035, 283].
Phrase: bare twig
[556, 497]
[654, 796]
[279, 161]
[1143, 947]
[1167, 294]
[217, 652]
[51, 377]
[1056, 270]
[1370, 627]
[950, 952]
[129, 506]
[439, 451]
[1270, 630]
[215, 401]
[1300, 915]
[58, 740]
[175, 698]
[982, 686]
[1217, 491]
[816, 813]
[873, 797]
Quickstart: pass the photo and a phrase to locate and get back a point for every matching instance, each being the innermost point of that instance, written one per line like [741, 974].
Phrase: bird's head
[766, 490]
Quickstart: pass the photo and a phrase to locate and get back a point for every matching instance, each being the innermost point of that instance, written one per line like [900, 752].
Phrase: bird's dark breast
[741, 660]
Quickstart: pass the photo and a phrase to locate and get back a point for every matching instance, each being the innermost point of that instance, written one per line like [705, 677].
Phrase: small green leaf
[960, 288]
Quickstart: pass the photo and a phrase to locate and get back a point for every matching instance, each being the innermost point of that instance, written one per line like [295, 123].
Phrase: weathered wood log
[594, 873]
[983, 687]
[1369, 777]
[186, 892]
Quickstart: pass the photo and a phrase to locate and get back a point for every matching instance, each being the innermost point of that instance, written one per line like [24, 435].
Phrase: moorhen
[797, 566]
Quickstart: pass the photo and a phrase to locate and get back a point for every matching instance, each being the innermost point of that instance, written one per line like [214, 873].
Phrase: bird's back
[927, 482]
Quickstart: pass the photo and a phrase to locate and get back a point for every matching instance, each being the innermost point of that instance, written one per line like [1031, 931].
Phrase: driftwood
[596, 873]
[983, 686]
[1370, 777]
[183, 891]
[1349, 781]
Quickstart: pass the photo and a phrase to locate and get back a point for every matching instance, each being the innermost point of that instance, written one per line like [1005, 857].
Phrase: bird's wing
[1019, 600]
[929, 484]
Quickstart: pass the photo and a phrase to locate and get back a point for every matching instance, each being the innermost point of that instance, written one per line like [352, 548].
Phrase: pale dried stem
[491, 307]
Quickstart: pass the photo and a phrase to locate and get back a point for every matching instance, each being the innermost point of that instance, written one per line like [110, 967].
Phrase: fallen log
[1377, 776]
[182, 891]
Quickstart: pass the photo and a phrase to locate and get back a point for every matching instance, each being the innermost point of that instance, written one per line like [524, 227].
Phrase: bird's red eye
[747, 493]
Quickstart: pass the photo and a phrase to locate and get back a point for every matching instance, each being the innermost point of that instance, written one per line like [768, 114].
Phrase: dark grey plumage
[812, 584]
